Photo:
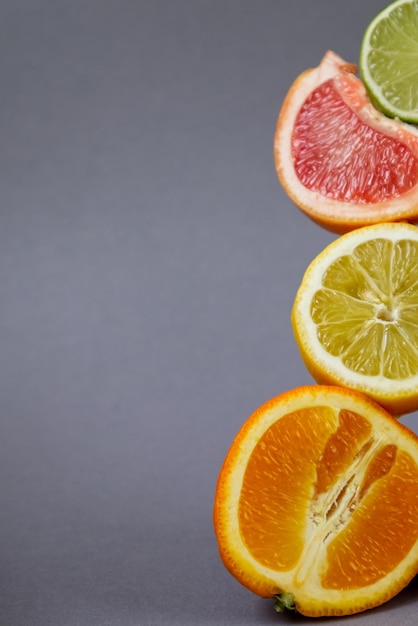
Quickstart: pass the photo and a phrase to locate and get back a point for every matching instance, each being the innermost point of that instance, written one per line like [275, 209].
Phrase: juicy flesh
[393, 58]
[366, 311]
[341, 157]
[323, 492]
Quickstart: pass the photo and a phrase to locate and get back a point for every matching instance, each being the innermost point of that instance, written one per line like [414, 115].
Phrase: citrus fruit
[342, 162]
[317, 502]
[355, 314]
[389, 60]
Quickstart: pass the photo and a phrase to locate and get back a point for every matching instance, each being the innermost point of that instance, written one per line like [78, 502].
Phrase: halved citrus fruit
[341, 161]
[317, 502]
[389, 60]
[355, 315]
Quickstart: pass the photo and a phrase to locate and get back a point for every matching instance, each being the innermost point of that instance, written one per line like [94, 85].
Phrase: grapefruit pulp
[342, 162]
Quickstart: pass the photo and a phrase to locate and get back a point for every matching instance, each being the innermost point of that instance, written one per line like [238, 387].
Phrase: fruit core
[336, 154]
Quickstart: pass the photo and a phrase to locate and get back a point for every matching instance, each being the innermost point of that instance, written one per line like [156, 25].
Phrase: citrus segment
[266, 520]
[389, 60]
[355, 314]
[338, 163]
[341, 447]
[341, 161]
[317, 502]
[384, 535]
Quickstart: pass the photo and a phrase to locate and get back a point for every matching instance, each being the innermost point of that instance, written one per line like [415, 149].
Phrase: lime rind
[389, 60]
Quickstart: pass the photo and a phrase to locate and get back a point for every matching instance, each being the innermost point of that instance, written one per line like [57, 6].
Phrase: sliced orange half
[341, 161]
[355, 314]
[317, 502]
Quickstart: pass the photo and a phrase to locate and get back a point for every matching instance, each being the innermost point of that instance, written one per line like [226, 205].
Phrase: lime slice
[389, 60]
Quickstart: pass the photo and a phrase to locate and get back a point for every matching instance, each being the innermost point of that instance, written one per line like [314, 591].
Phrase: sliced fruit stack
[316, 503]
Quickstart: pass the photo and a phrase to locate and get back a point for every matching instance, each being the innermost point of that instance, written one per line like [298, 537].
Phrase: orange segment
[340, 449]
[317, 502]
[384, 529]
[281, 470]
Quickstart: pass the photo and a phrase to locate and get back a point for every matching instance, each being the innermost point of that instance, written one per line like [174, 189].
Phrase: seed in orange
[341, 161]
[316, 503]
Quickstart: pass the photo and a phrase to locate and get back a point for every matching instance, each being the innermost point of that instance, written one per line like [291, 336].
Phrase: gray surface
[148, 263]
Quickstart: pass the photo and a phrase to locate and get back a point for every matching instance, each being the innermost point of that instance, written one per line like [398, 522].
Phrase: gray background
[148, 263]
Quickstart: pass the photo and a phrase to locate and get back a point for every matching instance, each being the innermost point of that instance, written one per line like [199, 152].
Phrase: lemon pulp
[366, 310]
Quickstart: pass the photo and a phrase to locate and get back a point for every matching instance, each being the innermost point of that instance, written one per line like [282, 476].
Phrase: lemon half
[355, 315]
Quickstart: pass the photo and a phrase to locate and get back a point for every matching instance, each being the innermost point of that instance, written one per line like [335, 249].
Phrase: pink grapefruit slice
[342, 162]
